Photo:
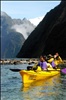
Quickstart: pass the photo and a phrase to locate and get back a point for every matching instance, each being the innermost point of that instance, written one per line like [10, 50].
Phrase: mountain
[13, 34]
[49, 36]
[36, 21]
[25, 27]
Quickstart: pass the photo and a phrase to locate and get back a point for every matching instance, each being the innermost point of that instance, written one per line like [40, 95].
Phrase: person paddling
[51, 61]
[43, 63]
[57, 59]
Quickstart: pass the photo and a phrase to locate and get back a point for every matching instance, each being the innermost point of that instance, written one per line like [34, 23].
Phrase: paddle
[15, 70]
[63, 71]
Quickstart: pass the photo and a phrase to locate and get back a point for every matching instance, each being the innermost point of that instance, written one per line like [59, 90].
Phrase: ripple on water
[13, 89]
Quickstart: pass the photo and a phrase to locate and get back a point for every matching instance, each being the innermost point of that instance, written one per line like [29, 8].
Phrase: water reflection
[41, 89]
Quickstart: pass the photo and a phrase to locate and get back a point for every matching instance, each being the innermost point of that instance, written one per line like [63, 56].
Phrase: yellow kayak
[50, 82]
[31, 76]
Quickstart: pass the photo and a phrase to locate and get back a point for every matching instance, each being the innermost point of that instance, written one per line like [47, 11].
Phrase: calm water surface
[12, 87]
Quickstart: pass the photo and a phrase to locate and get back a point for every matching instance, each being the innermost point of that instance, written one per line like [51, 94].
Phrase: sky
[27, 9]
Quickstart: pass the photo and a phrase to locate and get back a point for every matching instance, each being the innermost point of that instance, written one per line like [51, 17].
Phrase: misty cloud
[24, 29]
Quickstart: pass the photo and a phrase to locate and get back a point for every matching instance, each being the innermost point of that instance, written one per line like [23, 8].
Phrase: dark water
[13, 89]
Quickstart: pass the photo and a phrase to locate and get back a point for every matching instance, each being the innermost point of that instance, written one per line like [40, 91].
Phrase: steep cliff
[49, 36]
[13, 34]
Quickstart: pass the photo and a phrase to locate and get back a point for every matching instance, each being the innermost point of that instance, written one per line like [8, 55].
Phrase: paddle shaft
[18, 70]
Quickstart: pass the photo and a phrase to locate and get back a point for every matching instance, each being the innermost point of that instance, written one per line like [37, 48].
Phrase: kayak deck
[31, 76]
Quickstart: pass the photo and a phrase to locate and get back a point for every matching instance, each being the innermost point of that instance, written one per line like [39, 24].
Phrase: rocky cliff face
[11, 41]
[49, 36]
[13, 34]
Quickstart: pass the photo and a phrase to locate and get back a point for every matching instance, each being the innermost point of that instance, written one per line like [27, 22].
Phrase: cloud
[24, 29]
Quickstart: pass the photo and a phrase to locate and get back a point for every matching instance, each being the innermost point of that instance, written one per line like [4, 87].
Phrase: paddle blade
[15, 70]
[63, 71]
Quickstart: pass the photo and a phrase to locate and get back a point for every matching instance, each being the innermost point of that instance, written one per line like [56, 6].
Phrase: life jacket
[50, 60]
[43, 65]
[58, 60]
[53, 64]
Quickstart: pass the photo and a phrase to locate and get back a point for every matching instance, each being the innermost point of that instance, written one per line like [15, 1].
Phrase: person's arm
[60, 59]
[36, 66]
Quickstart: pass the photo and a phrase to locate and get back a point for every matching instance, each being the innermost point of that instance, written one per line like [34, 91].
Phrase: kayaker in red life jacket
[43, 63]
